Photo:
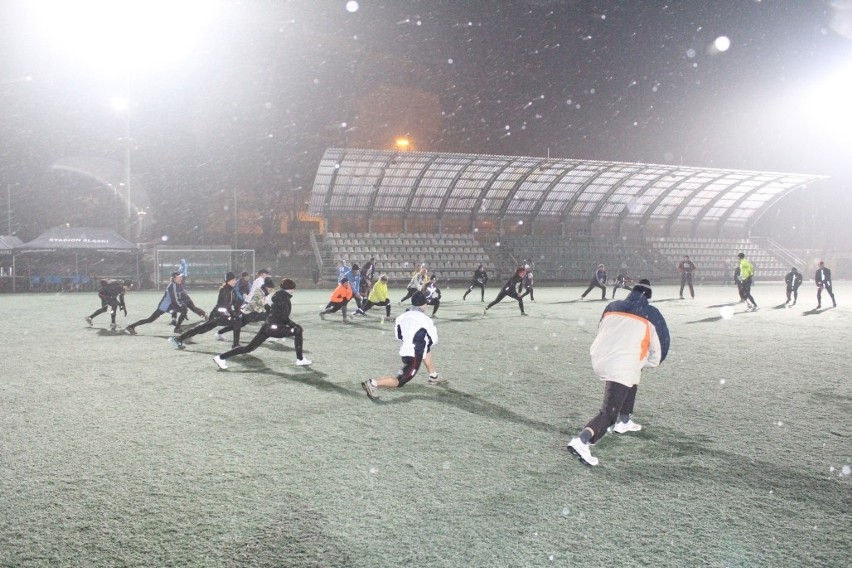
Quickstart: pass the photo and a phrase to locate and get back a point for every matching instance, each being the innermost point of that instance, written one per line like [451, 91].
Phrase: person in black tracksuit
[528, 283]
[793, 281]
[278, 324]
[170, 302]
[186, 304]
[598, 281]
[511, 288]
[224, 312]
[111, 294]
[686, 268]
[480, 279]
[823, 282]
[622, 281]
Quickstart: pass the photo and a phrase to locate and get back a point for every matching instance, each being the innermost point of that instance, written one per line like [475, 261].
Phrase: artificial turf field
[121, 451]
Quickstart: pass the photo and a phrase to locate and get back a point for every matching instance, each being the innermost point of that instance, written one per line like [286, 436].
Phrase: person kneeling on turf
[417, 335]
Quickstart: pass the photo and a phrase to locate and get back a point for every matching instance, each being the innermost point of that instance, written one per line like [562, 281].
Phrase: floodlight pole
[235, 218]
[127, 175]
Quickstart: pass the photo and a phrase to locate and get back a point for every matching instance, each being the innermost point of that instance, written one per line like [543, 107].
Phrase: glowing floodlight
[722, 43]
[120, 104]
[828, 104]
[122, 34]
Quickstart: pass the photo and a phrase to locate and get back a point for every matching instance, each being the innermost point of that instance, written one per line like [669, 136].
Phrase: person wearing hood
[632, 335]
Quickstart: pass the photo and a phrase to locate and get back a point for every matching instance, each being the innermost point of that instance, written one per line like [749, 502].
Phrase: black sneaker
[129, 329]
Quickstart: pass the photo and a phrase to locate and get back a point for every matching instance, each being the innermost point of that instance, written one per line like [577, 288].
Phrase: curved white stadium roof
[379, 182]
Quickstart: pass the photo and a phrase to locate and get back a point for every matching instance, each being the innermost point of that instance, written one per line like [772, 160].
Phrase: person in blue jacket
[171, 301]
[632, 335]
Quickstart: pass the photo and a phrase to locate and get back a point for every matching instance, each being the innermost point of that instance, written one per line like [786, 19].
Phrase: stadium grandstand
[454, 211]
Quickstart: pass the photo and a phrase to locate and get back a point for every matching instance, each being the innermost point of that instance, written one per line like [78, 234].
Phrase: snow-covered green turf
[121, 451]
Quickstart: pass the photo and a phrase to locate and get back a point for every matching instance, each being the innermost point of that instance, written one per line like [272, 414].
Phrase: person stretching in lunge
[277, 325]
[417, 335]
[111, 294]
[511, 288]
[226, 311]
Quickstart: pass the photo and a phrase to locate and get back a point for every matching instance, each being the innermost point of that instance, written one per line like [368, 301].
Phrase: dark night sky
[268, 86]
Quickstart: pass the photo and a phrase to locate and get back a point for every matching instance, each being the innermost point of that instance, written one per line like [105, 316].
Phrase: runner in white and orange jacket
[632, 335]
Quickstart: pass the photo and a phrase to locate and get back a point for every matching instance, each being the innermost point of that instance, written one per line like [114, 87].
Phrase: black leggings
[106, 305]
[189, 306]
[618, 399]
[686, 280]
[503, 293]
[368, 304]
[475, 285]
[213, 322]
[408, 293]
[595, 284]
[157, 313]
[289, 330]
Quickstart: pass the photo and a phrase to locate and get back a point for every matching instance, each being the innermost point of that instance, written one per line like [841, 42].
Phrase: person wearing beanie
[511, 288]
[793, 281]
[339, 300]
[823, 282]
[632, 335]
[417, 335]
[686, 268]
[598, 281]
[170, 303]
[224, 312]
[111, 293]
[479, 280]
[277, 325]
[378, 297]
[746, 279]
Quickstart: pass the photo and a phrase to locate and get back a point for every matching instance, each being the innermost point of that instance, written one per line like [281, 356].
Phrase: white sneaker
[89, 321]
[176, 343]
[581, 450]
[303, 362]
[624, 427]
[369, 388]
[221, 362]
[220, 337]
[437, 380]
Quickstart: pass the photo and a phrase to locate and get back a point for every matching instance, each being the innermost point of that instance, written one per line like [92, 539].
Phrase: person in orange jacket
[339, 300]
